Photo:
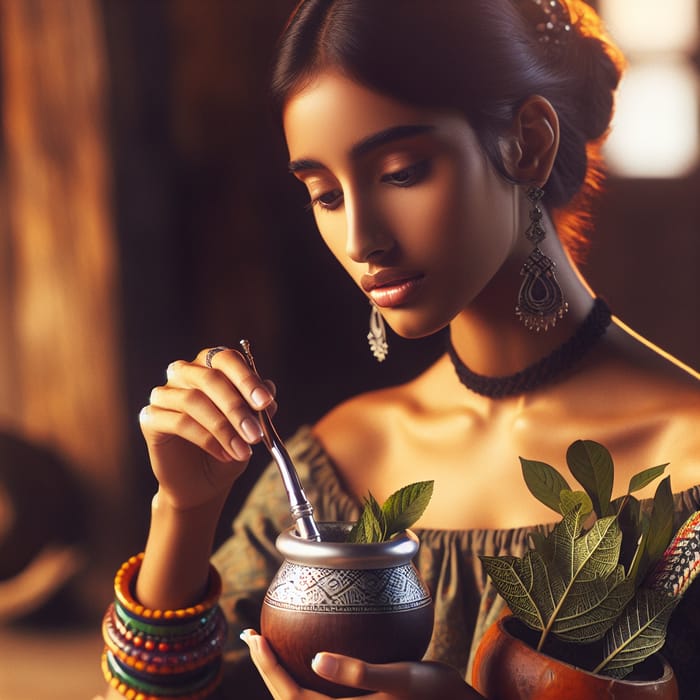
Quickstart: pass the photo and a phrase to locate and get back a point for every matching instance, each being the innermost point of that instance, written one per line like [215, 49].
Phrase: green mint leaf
[592, 466]
[371, 526]
[404, 507]
[545, 482]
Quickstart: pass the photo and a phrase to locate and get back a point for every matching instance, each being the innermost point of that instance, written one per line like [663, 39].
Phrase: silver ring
[212, 352]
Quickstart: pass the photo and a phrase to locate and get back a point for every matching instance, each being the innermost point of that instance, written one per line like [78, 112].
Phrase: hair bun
[596, 65]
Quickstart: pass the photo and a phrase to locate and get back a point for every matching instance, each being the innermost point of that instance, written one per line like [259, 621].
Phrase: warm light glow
[655, 130]
[652, 25]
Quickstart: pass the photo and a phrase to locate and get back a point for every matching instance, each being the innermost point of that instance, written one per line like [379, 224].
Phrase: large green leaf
[660, 524]
[639, 481]
[541, 542]
[581, 560]
[636, 568]
[571, 499]
[403, 508]
[526, 585]
[591, 607]
[639, 632]
[596, 554]
[545, 482]
[562, 540]
[634, 523]
[592, 466]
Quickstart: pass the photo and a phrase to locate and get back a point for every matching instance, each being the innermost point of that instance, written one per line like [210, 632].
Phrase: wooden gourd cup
[363, 600]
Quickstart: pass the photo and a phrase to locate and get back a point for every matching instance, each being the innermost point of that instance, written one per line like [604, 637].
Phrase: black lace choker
[545, 371]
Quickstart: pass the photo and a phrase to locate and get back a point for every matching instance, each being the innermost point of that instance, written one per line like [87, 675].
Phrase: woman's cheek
[329, 228]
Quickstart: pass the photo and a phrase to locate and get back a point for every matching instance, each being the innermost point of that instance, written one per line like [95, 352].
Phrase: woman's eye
[406, 177]
[328, 200]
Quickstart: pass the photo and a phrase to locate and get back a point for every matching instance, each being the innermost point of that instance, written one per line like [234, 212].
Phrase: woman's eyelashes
[408, 176]
[404, 177]
[327, 200]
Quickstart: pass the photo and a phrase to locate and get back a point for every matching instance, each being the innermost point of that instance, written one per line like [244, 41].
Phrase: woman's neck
[488, 337]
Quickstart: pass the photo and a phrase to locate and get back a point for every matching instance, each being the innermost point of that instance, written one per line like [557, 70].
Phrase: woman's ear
[530, 145]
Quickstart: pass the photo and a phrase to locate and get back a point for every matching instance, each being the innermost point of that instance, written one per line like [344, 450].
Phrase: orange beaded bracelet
[123, 582]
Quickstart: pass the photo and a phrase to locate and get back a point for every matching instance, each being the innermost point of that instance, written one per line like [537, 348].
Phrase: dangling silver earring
[540, 299]
[377, 335]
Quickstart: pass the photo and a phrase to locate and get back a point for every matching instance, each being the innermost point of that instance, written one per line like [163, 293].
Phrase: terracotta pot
[363, 600]
[508, 668]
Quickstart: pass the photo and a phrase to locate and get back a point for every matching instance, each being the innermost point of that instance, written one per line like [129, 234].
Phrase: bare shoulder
[366, 435]
[653, 399]
[361, 426]
[629, 369]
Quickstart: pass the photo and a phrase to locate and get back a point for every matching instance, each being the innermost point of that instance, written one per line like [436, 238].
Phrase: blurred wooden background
[146, 212]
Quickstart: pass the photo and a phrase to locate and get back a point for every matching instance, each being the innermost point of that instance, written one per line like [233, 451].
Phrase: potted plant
[590, 600]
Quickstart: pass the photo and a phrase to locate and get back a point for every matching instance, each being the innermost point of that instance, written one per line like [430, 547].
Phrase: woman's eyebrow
[370, 143]
[394, 133]
[296, 166]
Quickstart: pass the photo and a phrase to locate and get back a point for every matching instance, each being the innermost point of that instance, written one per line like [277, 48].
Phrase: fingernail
[241, 449]
[324, 664]
[251, 638]
[260, 397]
[252, 429]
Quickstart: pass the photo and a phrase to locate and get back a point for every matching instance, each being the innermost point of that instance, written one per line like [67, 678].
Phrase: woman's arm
[198, 428]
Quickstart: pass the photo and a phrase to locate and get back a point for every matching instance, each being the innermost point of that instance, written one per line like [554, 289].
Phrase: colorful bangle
[156, 658]
[135, 688]
[162, 654]
[136, 627]
[123, 582]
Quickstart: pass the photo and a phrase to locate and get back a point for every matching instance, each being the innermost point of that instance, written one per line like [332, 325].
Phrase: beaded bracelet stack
[162, 654]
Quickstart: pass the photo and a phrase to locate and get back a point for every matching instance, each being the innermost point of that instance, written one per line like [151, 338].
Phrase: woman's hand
[397, 681]
[199, 426]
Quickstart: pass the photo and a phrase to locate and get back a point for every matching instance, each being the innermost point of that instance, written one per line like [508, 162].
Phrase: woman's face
[404, 197]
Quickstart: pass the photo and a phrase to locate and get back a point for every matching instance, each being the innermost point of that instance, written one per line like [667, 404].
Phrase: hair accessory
[377, 334]
[540, 299]
[551, 20]
[545, 371]
[212, 352]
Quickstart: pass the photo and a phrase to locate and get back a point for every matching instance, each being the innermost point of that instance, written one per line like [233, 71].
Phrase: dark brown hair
[480, 57]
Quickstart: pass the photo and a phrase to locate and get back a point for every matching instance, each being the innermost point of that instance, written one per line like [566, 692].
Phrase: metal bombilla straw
[301, 509]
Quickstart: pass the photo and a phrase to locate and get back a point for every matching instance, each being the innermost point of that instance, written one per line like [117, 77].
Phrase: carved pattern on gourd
[325, 590]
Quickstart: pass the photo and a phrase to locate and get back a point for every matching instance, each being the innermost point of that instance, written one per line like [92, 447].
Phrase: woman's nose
[367, 234]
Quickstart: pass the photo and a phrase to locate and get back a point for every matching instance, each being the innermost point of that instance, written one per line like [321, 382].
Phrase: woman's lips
[390, 288]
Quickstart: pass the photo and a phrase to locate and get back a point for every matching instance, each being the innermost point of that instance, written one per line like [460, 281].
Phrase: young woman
[448, 148]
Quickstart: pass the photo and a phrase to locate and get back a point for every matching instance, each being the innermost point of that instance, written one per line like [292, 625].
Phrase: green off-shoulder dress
[466, 603]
